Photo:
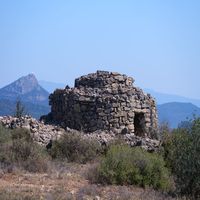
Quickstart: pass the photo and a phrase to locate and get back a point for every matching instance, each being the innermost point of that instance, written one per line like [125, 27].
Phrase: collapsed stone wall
[40, 132]
[43, 133]
[104, 101]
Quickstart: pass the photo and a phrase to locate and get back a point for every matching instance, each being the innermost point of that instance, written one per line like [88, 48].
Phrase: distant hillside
[51, 86]
[175, 112]
[29, 92]
[162, 98]
[27, 89]
[7, 107]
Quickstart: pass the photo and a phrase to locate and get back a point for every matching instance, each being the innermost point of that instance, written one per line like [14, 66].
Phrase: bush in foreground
[74, 148]
[182, 153]
[18, 149]
[125, 165]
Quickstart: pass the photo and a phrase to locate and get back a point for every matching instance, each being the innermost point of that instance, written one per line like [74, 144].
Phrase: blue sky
[155, 41]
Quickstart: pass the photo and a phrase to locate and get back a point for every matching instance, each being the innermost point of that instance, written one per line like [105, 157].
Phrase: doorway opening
[139, 124]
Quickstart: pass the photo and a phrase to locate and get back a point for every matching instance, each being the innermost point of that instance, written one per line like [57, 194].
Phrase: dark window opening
[139, 124]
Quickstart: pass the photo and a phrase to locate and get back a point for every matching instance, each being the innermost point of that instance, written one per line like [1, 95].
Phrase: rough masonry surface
[104, 101]
[43, 133]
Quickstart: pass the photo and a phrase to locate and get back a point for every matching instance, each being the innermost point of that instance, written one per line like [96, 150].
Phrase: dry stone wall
[40, 132]
[104, 101]
[43, 133]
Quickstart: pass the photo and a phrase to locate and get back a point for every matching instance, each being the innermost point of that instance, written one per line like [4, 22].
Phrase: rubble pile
[40, 132]
[43, 133]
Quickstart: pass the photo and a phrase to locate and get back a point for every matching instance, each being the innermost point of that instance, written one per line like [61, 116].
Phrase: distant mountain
[162, 98]
[176, 112]
[29, 92]
[51, 86]
[27, 89]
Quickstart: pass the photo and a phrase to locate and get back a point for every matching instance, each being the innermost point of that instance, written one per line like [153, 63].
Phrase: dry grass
[67, 181]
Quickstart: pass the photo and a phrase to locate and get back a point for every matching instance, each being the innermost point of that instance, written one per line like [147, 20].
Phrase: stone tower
[104, 101]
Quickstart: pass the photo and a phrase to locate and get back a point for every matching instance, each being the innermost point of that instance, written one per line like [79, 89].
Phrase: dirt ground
[66, 181]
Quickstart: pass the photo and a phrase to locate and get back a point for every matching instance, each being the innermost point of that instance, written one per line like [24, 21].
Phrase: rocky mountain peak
[27, 89]
[23, 85]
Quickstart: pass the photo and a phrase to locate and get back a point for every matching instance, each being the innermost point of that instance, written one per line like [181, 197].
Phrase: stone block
[119, 78]
[131, 127]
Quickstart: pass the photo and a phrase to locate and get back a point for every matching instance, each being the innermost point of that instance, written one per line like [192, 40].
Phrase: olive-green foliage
[5, 135]
[5, 140]
[74, 148]
[125, 165]
[182, 153]
[17, 148]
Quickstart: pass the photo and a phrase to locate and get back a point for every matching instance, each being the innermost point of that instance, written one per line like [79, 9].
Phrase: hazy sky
[155, 41]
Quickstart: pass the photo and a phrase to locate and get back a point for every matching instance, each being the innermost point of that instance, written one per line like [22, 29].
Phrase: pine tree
[19, 109]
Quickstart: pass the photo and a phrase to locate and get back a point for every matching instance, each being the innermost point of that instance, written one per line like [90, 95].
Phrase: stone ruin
[104, 101]
[43, 133]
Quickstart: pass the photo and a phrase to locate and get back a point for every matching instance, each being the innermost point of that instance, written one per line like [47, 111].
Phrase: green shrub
[181, 151]
[20, 150]
[74, 148]
[5, 134]
[5, 144]
[126, 165]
